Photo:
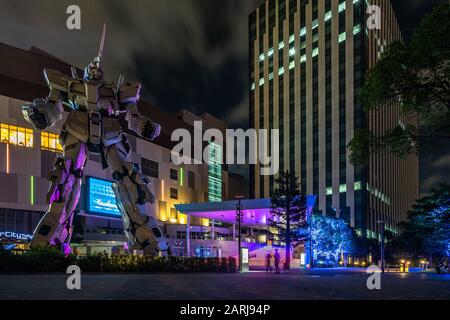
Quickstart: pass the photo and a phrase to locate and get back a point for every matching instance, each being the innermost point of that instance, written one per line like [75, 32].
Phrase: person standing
[277, 261]
[269, 263]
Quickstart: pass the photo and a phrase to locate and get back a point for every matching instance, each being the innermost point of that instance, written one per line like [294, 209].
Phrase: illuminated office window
[342, 188]
[17, 136]
[214, 173]
[280, 71]
[50, 142]
[292, 51]
[315, 52]
[328, 16]
[302, 31]
[291, 38]
[342, 37]
[341, 7]
[357, 29]
[292, 65]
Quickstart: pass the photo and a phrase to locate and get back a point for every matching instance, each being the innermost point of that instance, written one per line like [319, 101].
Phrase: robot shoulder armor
[56, 80]
[129, 92]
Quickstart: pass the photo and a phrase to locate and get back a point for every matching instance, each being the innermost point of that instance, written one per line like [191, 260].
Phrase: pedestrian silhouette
[277, 261]
[269, 263]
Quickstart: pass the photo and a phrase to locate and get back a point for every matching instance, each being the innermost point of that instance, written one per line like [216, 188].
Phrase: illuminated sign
[101, 198]
[244, 255]
[15, 235]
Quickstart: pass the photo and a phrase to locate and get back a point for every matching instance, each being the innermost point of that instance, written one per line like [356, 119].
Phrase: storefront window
[17, 136]
[50, 142]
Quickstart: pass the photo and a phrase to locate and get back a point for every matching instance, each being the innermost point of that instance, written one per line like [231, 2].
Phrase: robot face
[93, 71]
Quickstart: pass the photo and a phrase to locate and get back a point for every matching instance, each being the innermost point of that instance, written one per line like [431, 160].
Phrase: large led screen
[101, 198]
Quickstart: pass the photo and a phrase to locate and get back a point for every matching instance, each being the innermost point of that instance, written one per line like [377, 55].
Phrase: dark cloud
[190, 53]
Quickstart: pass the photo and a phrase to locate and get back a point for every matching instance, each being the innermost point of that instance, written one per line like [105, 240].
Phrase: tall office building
[307, 60]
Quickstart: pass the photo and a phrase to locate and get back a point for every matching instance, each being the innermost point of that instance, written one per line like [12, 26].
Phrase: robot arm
[129, 94]
[44, 113]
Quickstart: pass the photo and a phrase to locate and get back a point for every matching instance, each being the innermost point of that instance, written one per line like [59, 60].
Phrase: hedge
[52, 260]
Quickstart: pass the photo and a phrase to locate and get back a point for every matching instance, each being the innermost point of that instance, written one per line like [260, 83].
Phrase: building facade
[27, 157]
[307, 61]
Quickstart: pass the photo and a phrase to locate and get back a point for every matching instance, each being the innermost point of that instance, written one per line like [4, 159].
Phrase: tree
[288, 210]
[330, 237]
[417, 77]
[427, 231]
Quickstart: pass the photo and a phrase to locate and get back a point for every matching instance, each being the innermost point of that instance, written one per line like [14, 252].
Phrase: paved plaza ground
[324, 284]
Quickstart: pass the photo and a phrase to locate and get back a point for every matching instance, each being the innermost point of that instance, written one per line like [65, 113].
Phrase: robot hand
[151, 130]
[42, 114]
[144, 127]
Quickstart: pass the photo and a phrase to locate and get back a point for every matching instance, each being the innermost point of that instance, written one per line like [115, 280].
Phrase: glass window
[292, 65]
[173, 174]
[17, 136]
[50, 142]
[173, 193]
[150, 168]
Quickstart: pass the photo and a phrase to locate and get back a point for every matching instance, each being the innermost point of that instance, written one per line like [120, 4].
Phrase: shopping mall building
[27, 156]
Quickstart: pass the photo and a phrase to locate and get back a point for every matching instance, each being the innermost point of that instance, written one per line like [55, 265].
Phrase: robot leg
[132, 195]
[56, 227]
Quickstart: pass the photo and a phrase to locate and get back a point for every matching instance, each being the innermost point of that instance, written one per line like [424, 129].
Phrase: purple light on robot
[66, 249]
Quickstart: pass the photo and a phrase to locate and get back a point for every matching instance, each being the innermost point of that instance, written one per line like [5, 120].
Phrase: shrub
[52, 260]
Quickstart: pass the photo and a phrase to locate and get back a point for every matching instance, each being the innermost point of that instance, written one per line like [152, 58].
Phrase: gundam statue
[92, 126]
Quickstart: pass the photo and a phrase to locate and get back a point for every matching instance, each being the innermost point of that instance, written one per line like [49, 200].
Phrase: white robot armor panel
[92, 126]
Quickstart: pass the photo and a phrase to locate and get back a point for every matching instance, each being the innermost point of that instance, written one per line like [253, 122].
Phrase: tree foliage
[288, 212]
[416, 76]
[330, 237]
[427, 231]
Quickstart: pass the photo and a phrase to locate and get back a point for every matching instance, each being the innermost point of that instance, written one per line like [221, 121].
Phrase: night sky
[186, 53]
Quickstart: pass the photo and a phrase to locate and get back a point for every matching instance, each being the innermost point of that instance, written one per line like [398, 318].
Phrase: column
[188, 234]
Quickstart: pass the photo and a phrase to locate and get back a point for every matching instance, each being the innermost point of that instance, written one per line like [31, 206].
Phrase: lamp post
[382, 223]
[239, 218]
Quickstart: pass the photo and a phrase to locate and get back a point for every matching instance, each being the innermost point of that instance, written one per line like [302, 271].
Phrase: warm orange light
[50, 142]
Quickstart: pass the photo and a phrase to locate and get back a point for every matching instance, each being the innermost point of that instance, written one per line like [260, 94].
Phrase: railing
[174, 236]
[104, 231]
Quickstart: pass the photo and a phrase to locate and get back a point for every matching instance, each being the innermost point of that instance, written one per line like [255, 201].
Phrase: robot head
[93, 71]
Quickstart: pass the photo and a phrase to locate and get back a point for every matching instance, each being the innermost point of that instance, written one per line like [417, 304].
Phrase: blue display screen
[101, 198]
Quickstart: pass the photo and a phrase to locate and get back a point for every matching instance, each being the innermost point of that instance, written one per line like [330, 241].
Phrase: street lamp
[382, 223]
[239, 218]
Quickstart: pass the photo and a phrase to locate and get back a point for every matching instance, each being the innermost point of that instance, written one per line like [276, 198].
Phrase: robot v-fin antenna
[102, 43]
[73, 70]
[120, 82]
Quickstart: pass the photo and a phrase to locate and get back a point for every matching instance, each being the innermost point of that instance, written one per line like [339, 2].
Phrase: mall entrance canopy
[256, 212]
